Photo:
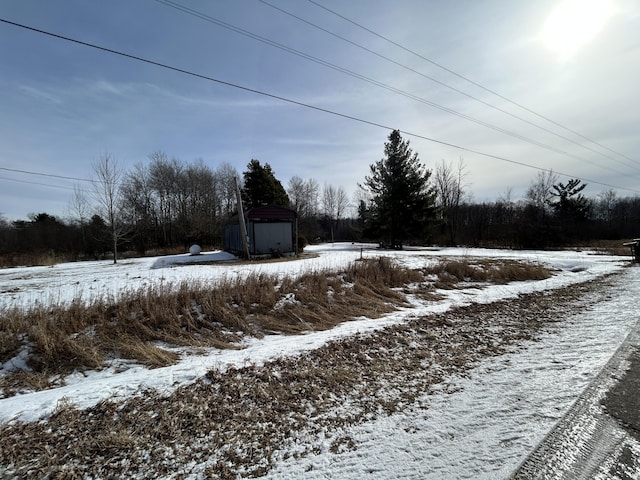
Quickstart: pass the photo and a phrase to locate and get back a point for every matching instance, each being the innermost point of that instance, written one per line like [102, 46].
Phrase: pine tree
[261, 187]
[403, 201]
[569, 203]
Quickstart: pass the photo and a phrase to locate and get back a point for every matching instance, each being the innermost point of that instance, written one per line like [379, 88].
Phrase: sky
[511, 88]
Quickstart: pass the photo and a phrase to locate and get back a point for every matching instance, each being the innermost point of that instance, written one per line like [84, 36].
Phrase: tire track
[587, 442]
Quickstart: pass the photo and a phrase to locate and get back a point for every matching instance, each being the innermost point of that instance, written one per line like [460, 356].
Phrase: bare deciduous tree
[225, 176]
[450, 189]
[604, 206]
[335, 202]
[79, 210]
[201, 200]
[138, 202]
[303, 196]
[164, 178]
[108, 175]
[506, 198]
[540, 192]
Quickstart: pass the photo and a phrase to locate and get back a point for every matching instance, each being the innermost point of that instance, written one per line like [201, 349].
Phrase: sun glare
[574, 23]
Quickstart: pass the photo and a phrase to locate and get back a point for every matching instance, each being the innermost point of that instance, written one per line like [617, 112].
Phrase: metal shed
[635, 249]
[271, 231]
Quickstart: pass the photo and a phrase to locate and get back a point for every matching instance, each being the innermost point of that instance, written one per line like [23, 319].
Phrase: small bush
[302, 243]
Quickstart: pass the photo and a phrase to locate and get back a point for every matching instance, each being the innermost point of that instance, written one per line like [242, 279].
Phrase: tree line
[167, 204]
[406, 202]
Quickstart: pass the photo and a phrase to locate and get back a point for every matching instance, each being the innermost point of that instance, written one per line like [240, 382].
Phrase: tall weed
[139, 323]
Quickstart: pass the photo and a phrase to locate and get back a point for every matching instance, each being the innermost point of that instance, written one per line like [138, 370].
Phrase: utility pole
[243, 226]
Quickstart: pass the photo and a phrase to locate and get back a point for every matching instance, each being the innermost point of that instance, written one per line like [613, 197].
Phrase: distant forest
[166, 205]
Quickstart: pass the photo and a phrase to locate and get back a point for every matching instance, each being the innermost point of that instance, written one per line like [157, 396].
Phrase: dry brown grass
[22, 381]
[450, 273]
[30, 259]
[610, 247]
[513, 271]
[237, 423]
[9, 345]
[139, 325]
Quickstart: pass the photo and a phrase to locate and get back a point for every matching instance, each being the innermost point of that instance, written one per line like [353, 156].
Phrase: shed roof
[271, 212]
[267, 212]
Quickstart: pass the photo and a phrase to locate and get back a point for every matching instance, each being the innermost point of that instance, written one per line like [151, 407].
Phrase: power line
[47, 175]
[40, 183]
[452, 72]
[435, 80]
[215, 21]
[302, 104]
[228, 26]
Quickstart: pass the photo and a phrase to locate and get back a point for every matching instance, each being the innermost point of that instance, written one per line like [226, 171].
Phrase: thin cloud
[41, 93]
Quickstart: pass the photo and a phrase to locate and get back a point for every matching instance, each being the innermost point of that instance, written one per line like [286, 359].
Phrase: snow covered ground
[484, 429]
[495, 417]
[63, 283]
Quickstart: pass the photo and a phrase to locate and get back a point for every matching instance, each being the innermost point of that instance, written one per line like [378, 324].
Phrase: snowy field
[484, 429]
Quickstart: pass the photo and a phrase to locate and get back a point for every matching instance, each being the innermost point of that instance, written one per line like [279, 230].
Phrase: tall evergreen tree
[569, 203]
[571, 210]
[403, 200]
[261, 187]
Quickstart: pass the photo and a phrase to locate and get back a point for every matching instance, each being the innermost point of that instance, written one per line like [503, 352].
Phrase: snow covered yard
[475, 419]
[483, 423]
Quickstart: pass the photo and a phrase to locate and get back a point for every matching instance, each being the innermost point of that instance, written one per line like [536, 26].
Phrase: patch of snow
[17, 363]
[288, 299]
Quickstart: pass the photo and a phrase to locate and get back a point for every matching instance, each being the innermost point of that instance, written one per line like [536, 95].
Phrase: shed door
[272, 236]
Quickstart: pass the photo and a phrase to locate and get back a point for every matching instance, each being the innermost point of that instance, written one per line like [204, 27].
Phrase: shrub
[302, 243]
